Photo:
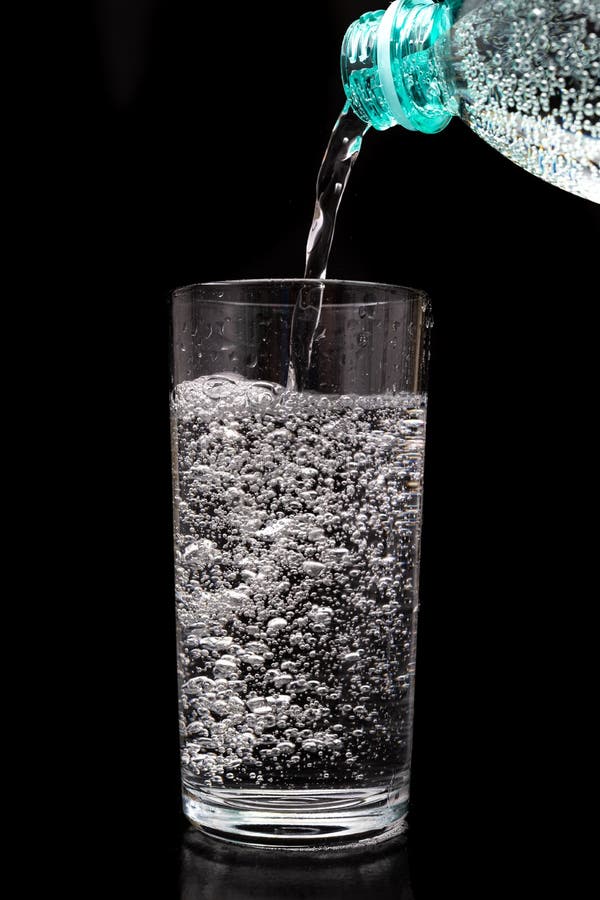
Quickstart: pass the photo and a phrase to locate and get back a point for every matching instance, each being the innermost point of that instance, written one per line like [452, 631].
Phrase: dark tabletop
[416, 866]
[209, 871]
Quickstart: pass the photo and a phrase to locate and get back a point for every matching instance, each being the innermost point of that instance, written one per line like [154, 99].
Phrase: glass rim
[403, 293]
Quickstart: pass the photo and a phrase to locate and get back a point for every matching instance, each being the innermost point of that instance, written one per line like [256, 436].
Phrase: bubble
[236, 704]
[253, 659]
[263, 393]
[340, 555]
[220, 643]
[197, 747]
[226, 667]
[313, 568]
[195, 728]
[259, 705]
[198, 685]
[219, 386]
[273, 529]
[279, 701]
[219, 707]
[322, 615]
[286, 747]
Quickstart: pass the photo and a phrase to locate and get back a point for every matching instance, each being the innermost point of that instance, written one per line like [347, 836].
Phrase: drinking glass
[297, 519]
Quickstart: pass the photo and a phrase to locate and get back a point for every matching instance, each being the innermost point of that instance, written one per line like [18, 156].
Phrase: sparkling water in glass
[297, 526]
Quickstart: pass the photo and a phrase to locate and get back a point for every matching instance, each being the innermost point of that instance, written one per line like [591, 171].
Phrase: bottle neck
[392, 69]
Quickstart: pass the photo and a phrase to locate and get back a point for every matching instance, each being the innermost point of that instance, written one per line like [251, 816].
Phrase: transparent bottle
[523, 74]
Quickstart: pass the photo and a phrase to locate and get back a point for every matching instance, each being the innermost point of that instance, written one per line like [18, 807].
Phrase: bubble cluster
[529, 78]
[297, 522]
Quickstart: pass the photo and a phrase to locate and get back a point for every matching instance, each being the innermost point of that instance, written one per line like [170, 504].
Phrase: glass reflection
[210, 870]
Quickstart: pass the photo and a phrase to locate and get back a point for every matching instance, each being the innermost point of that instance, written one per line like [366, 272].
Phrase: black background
[196, 134]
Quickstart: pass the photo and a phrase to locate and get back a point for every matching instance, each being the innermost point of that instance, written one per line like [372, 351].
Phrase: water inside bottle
[527, 80]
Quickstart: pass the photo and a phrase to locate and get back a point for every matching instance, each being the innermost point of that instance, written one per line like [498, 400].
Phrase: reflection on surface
[214, 871]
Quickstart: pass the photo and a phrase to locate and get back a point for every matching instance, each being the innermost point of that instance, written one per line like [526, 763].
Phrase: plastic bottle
[523, 74]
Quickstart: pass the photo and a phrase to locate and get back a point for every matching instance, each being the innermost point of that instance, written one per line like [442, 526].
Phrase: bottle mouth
[385, 36]
[388, 67]
[359, 70]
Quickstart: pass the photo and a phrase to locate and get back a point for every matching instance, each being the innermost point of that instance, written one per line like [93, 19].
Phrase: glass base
[296, 819]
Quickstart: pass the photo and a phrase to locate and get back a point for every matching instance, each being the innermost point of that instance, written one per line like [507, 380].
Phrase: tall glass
[297, 521]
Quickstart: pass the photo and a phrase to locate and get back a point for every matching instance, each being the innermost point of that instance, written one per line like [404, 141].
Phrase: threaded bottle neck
[390, 70]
